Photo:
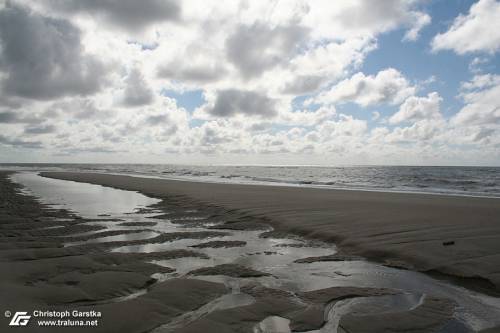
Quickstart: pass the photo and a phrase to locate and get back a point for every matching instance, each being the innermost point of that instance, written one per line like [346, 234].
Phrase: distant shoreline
[399, 229]
[305, 185]
[483, 182]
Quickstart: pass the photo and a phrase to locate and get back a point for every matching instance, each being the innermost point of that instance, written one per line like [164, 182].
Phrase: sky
[318, 82]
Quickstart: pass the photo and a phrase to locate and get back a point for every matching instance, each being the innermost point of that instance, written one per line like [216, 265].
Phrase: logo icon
[20, 319]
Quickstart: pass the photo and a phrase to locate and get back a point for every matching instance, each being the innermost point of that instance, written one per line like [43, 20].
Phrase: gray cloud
[195, 74]
[131, 15]
[82, 150]
[77, 109]
[41, 129]
[260, 127]
[110, 136]
[484, 133]
[19, 143]
[374, 14]
[170, 130]
[43, 57]
[257, 48]
[8, 102]
[157, 119]
[303, 85]
[213, 137]
[10, 117]
[137, 91]
[231, 102]
[163, 121]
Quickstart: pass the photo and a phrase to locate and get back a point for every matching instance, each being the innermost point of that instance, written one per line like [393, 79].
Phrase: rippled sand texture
[182, 266]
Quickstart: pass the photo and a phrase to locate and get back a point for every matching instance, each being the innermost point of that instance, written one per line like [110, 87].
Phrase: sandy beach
[400, 229]
[206, 257]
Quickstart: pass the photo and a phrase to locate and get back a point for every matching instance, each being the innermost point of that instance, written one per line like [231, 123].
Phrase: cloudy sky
[250, 82]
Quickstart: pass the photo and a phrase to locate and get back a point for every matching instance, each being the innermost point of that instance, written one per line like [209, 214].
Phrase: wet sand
[37, 272]
[448, 236]
[190, 263]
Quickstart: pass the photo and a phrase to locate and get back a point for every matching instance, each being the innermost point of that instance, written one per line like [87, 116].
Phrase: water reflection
[87, 200]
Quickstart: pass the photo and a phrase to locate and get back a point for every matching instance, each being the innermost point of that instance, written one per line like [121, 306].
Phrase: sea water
[469, 181]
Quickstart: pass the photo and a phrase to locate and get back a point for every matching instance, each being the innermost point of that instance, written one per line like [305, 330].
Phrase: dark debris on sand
[331, 257]
[219, 244]
[232, 270]
[137, 224]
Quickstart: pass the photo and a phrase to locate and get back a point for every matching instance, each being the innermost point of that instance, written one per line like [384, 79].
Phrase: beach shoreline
[457, 238]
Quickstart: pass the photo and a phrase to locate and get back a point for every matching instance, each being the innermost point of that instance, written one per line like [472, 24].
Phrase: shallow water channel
[274, 256]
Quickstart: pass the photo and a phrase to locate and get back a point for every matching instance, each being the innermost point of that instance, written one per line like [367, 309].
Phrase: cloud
[10, 117]
[482, 102]
[42, 57]
[130, 15]
[420, 131]
[481, 82]
[484, 133]
[195, 62]
[164, 121]
[88, 78]
[232, 102]
[308, 117]
[214, 134]
[476, 64]
[387, 87]
[418, 108]
[40, 129]
[157, 119]
[381, 16]
[97, 149]
[303, 84]
[420, 21]
[326, 62]
[475, 32]
[256, 48]
[186, 71]
[79, 109]
[17, 117]
[345, 126]
[137, 92]
[20, 143]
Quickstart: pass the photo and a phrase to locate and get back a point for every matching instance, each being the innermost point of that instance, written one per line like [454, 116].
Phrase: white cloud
[418, 108]
[307, 117]
[420, 21]
[481, 82]
[387, 87]
[105, 68]
[482, 102]
[351, 18]
[475, 66]
[419, 132]
[478, 31]
[344, 126]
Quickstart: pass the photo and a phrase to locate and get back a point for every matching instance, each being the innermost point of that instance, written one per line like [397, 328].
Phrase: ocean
[468, 181]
